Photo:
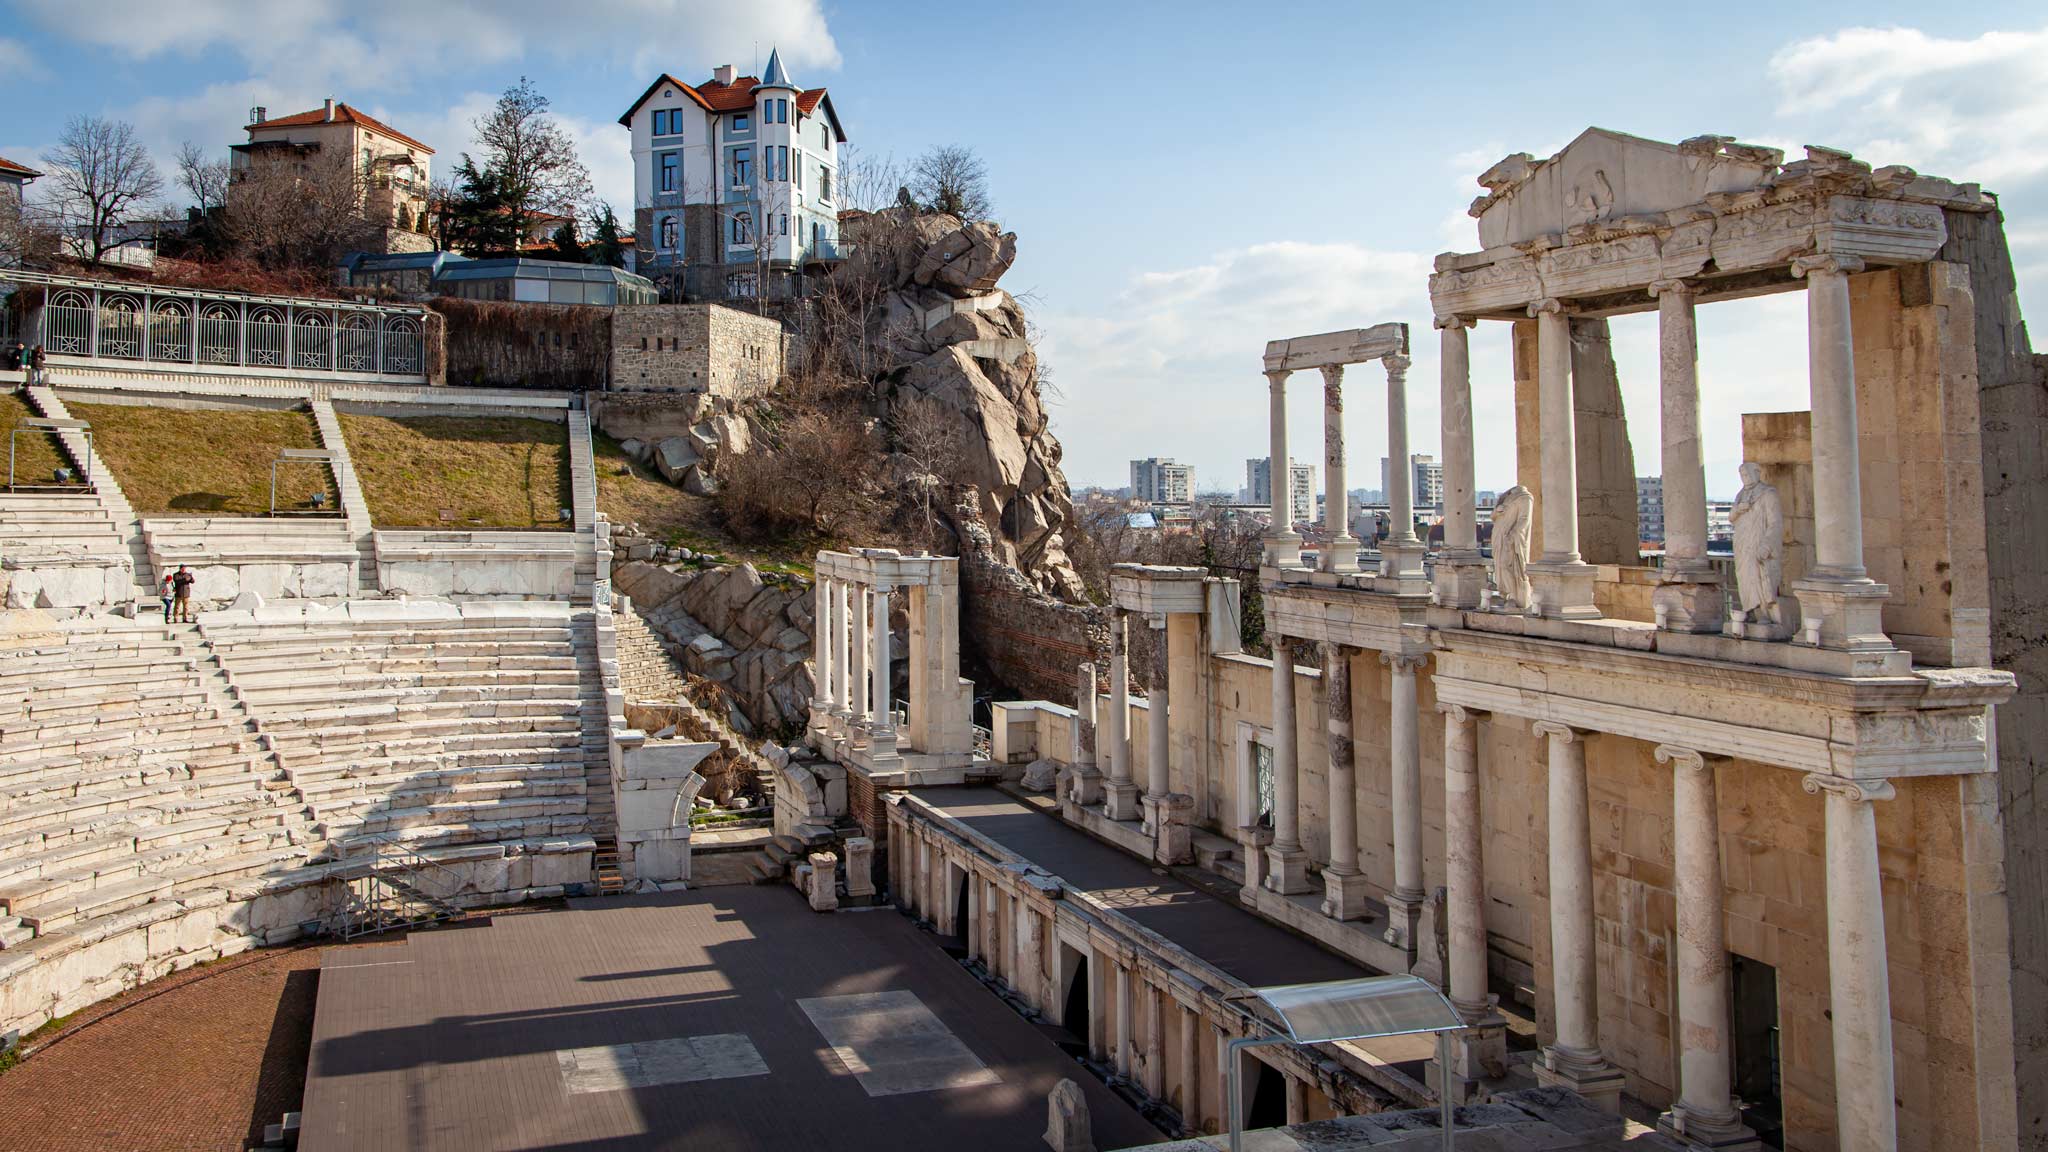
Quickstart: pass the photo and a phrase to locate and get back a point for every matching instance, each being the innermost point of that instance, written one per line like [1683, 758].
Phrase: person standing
[181, 593]
[164, 590]
[38, 367]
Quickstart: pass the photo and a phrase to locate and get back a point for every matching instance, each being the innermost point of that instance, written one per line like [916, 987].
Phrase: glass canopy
[1360, 1009]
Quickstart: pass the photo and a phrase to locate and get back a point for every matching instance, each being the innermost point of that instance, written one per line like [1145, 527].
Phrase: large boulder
[967, 260]
[674, 456]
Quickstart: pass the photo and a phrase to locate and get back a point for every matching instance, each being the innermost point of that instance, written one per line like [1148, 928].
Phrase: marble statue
[1759, 522]
[1512, 519]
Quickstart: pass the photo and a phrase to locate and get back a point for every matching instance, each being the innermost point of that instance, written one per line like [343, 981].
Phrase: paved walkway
[1251, 949]
[733, 1018]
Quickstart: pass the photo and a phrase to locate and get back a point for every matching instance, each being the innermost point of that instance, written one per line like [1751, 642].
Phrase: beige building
[1745, 867]
[703, 348]
[397, 169]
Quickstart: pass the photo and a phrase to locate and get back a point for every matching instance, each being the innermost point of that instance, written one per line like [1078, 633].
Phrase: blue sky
[1187, 180]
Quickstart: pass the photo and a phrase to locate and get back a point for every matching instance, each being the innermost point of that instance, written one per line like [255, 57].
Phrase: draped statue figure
[1759, 522]
[1512, 515]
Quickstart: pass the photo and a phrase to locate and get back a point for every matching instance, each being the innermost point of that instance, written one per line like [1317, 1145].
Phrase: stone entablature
[1611, 215]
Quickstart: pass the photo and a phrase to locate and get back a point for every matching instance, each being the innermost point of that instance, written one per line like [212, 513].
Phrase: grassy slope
[482, 472]
[36, 457]
[207, 462]
[632, 493]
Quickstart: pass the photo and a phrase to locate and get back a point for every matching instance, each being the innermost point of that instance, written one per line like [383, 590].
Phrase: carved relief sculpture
[1512, 520]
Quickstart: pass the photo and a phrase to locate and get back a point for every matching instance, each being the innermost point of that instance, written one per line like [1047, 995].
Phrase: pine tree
[605, 246]
[567, 247]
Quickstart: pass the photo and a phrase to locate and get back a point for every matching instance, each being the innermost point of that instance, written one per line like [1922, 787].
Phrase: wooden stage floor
[727, 1018]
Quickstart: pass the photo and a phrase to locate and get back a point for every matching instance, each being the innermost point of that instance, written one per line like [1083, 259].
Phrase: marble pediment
[1604, 177]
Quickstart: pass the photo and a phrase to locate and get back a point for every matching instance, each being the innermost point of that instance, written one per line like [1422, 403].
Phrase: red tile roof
[737, 96]
[13, 169]
[343, 114]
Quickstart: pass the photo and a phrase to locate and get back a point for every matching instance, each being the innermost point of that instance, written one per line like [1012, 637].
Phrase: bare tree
[101, 174]
[952, 179]
[533, 156]
[933, 440]
[868, 182]
[286, 217]
[205, 180]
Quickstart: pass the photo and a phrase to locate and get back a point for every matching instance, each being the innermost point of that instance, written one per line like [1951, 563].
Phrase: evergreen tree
[479, 217]
[605, 246]
[567, 247]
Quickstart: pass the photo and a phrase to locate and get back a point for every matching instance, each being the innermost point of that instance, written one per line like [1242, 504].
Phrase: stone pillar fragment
[1283, 544]
[1460, 573]
[1404, 903]
[860, 866]
[1067, 1128]
[1561, 582]
[1287, 864]
[857, 651]
[1157, 779]
[1340, 547]
[1480, 1051]
[822, 662]
[882, 729]
[1344, 886]
[824, 889]
[1688, 596]
[1401, 554]
[1573, 1059]
[1120, 795]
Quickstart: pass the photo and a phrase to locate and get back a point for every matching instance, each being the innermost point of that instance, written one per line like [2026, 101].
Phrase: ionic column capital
[1461, 713]
[1827, 264]
[1549, 305]
[1684, 758]
[1661, 288]
[1396, 365]
[1404, 661]
[1562, 733]
[1453, 322]
[1865, 791]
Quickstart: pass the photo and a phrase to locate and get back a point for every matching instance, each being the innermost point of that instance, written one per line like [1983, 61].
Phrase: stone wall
[2012, 398]
[496, 344]
[694, 348]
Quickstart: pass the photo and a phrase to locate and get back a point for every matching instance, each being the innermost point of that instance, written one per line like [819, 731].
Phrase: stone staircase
[649, 671]
[353, 505]
[583, 503]
[107, 490]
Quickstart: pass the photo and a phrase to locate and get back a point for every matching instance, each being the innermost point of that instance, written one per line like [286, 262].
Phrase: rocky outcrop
[731, 625]
[683, 437]
[957, 363]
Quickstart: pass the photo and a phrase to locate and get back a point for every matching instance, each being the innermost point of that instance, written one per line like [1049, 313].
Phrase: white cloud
[17, 63]
[381, 44]
[1972, 109]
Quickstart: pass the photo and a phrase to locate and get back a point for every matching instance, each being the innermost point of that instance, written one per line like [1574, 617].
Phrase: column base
[1172, 837]
[1084, 784]
[1120, 801]
[1698, 1132]
[1344, 895]
[1251, 845]
[1460, 583]
[1404, 912]
[1283, 550]
[1689, 602]
[1402, 563]
[1841, 615]
[1286, 871]
[1478, 1054]
[1591, 1077]
[1340, 555]
[1562, 590]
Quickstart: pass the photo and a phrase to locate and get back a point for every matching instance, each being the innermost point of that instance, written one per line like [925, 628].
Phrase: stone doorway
[1754, 1004]
[1074, 991]
[1265, 1093]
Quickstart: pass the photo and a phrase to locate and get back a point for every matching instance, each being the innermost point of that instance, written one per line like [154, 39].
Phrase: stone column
[1460, 571]
[1120, 797]
[1401, 555]
[1688, 596]
[857, 680]
[1287, 864]
[1157, 780]
[1560, 580]
[1841, 605]
[1190, 1070]
[1573, 1059]
[1085, 788]
[1859, 992]
[1221, 1042]
[1340, 550]
[1704, 1113]
[1343, 884]
[821, 655]
[1283, 543]
[1481, 1051]
[1155, 1041]
[836, 631]
[1125, 1020]
[1404, 903]
[882, 731]
[1297, 1099]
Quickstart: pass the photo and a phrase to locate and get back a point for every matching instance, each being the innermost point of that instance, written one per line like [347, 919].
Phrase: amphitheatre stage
[701, 1020]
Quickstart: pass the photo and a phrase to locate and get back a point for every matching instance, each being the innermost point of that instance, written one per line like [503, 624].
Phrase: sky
[1187, 180]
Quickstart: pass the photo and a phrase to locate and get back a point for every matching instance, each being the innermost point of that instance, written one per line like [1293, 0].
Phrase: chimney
[330, 110]
[723, 73]
[258, 114]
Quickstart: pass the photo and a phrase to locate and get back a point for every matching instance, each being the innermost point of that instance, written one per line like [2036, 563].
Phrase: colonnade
[852, 662]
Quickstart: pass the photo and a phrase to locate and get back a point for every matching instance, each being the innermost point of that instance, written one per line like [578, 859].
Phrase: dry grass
[630, 492]
[461, 471]
[36, 457]
[207, 462]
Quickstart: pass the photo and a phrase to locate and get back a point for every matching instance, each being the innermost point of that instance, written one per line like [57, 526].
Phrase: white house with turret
[735, 181]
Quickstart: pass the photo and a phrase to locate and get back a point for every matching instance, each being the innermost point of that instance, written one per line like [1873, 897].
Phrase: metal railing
[389, 895]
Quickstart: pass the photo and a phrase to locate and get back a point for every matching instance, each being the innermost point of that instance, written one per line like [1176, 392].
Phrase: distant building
[1425, 488]
[13, 178]
[1161, 481]
[1650, 509]
[1258, 485]
[397, 167]
[734, 178]
[420, 275]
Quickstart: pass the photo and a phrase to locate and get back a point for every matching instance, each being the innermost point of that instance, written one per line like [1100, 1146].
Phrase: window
[643, 343]
[799, 170]
[782, 163]
[742, 167]
[782, 225]
[669, 165]
[741, 285]
[825, 185]
[742, 228]
[668, 232]
[817, 233]
[668, 122]
[782, 111]
[740, 123]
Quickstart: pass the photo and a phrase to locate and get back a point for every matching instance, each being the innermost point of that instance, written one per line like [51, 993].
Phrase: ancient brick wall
[497, 344]
[694, 348]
